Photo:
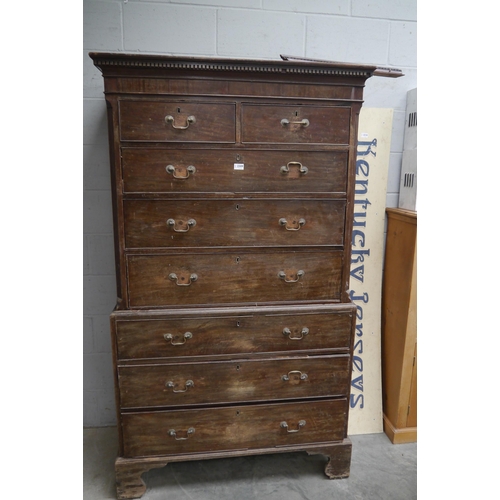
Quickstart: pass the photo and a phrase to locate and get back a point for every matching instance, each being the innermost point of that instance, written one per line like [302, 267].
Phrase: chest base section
[129, 471]
[230, 382]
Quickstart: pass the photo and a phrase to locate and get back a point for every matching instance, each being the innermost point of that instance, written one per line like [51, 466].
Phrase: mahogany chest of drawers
[233, 185]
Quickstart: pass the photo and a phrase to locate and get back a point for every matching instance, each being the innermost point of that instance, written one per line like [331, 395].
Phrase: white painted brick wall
[259, 34]
[173, 29]
[385, 9]
[352, 39]
[403, 46]
[102, 25]
[382, 32]
[337, 7]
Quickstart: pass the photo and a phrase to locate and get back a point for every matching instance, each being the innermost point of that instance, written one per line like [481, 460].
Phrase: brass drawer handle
[170, 119]
[181, 280]
[298, 275]
[285, 169]
[188, 384]
[173, 433]
[294, 225]
[304, 123]
[186, 171]
[301, 424]
[287, 333]
[169, 336]
[181, 226]
[301, 376]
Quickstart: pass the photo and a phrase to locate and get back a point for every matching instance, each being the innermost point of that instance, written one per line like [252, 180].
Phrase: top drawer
[174, 121]
[295, 124]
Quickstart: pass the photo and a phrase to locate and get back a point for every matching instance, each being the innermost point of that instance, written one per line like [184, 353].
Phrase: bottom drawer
[233, 428]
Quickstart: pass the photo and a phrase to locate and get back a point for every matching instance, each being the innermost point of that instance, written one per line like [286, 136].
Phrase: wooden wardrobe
[399, 327]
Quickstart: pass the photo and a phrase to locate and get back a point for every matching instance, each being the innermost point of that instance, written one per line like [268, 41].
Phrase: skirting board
[399, 436]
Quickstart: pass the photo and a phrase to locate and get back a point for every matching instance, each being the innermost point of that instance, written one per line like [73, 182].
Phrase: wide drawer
[295, 124]
[204, 170]
[196, 278]
[228, 334]
[232, 428]
[215, 223]
[171, 121]
[222, 382]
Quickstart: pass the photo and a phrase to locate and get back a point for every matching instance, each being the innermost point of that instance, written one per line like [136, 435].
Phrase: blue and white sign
[372, 165]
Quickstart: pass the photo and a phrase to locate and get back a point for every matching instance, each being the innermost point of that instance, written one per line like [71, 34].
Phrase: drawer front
[295, 124]
[209, 171]
[252, 333]
[233, 381]
[161, 121]
[237, 427]
[195, 279]
[215, 223]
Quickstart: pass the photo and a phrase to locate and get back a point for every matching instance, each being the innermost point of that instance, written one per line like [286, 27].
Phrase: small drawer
[239, 332]
[196, 279]
[295, 124]
[235, 427]
[224, 382]
[160, 121]
[222, 223]
[154, 170]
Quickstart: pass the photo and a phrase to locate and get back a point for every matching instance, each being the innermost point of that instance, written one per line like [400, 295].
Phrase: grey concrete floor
[379, 470]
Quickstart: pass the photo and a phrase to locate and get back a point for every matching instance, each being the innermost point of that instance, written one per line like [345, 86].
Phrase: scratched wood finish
[249, 332]
[145, 121]
[326, 124]
[230, 278]
[145, 171]
[235, 427]
[233, 381]
[239, 222]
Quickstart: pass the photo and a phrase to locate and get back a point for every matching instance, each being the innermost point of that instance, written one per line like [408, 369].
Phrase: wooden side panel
[116, 195]
[398, 339]
[412, 403]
